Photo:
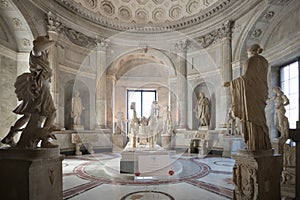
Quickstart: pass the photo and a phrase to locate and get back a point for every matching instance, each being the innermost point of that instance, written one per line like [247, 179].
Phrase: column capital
[53, 23]
[183, 45]
[102, 44]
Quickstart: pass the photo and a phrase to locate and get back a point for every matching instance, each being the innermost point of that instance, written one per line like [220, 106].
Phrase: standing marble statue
[120, 125]
[249, 95]
[77, 108]
[37, 106]
[280, 120]
[203, 110]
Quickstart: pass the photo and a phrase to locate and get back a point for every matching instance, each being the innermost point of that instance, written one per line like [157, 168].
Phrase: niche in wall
[206, 88]
[70, 89]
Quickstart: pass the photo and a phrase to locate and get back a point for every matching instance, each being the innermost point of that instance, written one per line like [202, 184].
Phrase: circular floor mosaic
[95, 170]
[147, 195]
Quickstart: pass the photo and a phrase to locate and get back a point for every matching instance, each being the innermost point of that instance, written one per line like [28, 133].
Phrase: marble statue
[249, 95]
[203, 110]
[168, 123]
[280, 120]
[120, 125]
[144, 131]
[77, 108]
[233, 124]
[37, 106]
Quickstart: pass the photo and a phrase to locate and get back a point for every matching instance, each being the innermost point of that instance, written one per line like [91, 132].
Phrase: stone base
[166, 141]
[130, 163]
[77, 127]
[118, 141]
[231, 145]
[256, 175]
[31, 174]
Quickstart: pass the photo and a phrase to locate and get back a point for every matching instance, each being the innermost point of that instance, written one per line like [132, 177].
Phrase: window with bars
[289, 83]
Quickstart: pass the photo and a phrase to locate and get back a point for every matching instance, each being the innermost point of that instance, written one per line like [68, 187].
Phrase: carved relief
[79, 38]
[124, 13]
[91, 3]
[142, 2]
[192, 6]
[26, 42]
[224, 31]
[269, 15]
[175, 12]
[207, 2]
[257, 32]
[3, 3]
[17, 23]
[158, 14]
[158, 1]
[245, 180]
[54, 23]
[141, 15]
[108, 7]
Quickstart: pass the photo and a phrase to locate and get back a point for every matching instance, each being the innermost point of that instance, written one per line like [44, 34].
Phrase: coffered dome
[145, 11]
[146, 15]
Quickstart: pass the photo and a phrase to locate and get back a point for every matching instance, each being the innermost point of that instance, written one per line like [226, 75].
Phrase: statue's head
[201, 94]
[254, 49]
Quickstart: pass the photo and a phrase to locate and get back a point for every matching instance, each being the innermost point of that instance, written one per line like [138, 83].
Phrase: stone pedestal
[31, 174]
[166, 141]
[231, 145]
[130, 158]
[119, 141]
[256, 175]
[77, 127]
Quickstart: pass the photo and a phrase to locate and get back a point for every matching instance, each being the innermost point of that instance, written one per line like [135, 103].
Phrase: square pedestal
[256, 175]
[231, 145]
[146, 163]
[31, 174]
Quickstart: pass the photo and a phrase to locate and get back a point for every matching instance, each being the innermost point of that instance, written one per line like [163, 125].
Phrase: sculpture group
[37, 106]
[145, 132]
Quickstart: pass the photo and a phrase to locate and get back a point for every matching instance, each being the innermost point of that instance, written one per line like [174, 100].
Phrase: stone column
[100, 107]
[54, 27]
[111, 79]
[225, 33]
[181, 48]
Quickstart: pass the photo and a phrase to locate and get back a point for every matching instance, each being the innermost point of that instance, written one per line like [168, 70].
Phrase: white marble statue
[120, 125]
[77, 108]
[168, 123]
[280, 120]
[233, 124]
[37, 106]
[249, 95]
[203, 110]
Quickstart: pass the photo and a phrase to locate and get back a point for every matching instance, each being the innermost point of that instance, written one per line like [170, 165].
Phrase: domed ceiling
[146, 15]
[146, 11]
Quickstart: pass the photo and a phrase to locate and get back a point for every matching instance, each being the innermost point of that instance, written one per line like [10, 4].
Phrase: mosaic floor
[87, 178]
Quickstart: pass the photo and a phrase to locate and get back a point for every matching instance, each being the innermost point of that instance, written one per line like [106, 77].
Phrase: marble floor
[91, 177]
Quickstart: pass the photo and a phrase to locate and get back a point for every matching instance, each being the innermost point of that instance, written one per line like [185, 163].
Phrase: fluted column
[54, 27]
[101, 108]
[111, 80]
[181, 48]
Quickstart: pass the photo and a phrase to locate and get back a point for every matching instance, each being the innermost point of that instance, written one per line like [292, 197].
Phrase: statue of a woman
[249, 95]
